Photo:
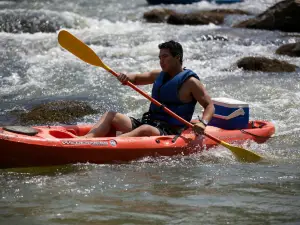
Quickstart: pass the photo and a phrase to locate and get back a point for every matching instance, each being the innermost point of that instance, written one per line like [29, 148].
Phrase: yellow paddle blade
[242, 154]
[79, 49]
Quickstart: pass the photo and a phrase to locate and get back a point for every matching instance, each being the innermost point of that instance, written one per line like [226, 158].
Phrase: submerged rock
[59, 111]
[213, 38]
[265, 65]
[292, 50]
[284, 16]
[32, 22]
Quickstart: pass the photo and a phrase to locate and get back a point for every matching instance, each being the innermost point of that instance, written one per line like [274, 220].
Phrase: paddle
[85, 53]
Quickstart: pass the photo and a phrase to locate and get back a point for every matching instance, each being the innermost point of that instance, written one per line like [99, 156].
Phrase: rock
[284, 16]
[229, 11]
[59, 111]
[158, 15]
[292, 50]
[194, 18]
[265, 65]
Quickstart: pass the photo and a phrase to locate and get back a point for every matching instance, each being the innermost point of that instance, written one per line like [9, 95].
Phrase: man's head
[170, 55]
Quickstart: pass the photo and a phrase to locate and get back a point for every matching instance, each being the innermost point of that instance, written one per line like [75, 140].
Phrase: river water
[207, 188]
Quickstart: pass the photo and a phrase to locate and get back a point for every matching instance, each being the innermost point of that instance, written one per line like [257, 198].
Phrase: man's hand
[123, 78]
[199, 128]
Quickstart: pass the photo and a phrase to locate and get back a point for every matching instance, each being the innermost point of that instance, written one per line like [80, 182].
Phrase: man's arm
[143, 78]
[200, 94]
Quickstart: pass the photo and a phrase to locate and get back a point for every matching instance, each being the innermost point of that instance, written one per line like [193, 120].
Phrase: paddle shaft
[82, 51]
[240, 153]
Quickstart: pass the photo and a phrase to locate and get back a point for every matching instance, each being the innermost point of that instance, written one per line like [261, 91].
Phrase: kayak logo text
[94, 143]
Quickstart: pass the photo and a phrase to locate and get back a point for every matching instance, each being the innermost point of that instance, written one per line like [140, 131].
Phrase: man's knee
[109, 115]
[147, 130]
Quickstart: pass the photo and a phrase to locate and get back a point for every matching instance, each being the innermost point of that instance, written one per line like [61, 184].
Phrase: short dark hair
[174, 47]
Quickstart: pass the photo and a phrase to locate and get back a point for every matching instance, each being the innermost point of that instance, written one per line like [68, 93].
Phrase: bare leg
[144, 130]
[110, 121]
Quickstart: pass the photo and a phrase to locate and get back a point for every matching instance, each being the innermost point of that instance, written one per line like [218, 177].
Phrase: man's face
[167, 61]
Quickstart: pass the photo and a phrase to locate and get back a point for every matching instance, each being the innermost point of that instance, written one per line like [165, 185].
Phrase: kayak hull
[59, 145]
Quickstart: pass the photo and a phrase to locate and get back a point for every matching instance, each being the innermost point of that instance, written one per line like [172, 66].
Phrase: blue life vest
[166, 91]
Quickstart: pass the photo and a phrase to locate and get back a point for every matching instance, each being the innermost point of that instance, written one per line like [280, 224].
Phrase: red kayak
[59, 145]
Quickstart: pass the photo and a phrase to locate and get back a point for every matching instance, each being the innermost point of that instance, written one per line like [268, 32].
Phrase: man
[175, 87]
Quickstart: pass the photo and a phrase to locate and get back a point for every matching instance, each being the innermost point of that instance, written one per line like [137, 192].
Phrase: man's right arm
[141, 79]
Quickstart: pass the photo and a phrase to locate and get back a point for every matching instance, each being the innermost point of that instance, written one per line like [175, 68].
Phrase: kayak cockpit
[75, 131]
